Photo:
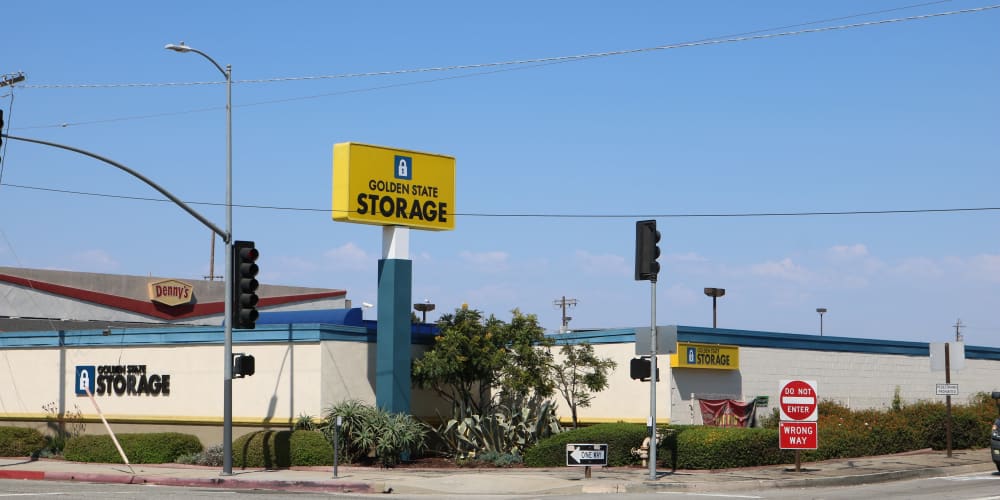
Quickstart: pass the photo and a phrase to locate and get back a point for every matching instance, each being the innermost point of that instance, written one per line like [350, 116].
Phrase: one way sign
[586, 454]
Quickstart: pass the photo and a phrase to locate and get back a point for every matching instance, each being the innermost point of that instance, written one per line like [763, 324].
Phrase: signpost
[798, 403]
[586, 455]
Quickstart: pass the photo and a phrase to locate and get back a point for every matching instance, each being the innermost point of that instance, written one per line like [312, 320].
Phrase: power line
[503, 65]
[540, 60]
[542, 215]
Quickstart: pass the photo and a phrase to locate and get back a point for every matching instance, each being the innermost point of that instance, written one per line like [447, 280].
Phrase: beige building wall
[624, 400]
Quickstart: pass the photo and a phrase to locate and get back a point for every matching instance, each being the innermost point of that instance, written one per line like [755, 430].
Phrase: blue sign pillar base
[392, 360]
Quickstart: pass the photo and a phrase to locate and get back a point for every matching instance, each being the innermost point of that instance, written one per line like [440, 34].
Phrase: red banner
[726, 412]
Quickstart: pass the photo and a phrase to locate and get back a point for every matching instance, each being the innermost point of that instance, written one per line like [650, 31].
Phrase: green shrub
[282, 449]
[620, 438]
[494, 458]
[369, 432]
[20, 441]
[727, 447]
[211, 456]
[310, 448]
[509, 426]
[151, 448]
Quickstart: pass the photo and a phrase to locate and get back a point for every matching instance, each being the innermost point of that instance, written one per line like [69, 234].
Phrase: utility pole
[958, 330]
[564, 302]
[8, 80]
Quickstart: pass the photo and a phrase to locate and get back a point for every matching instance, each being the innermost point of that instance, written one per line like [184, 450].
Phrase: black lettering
[401, 208]
[165, 388]
[430, 210]
[442, 210]
[142, 387]
[102, 385]
[154, 385]
[386, 206]
[362, 204]
[415, 212]
[119, 384]
[130, 384]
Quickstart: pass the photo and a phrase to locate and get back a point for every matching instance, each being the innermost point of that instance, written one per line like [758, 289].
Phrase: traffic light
[641, 368]
[244, 292]
[646, 250]
[243, 365]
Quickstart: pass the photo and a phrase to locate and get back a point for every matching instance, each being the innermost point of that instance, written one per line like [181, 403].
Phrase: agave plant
[370, 432]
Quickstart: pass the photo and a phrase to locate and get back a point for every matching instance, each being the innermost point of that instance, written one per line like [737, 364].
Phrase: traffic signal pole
[652, 379]
[647, 268]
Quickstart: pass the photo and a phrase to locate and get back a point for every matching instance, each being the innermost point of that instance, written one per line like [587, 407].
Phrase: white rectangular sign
[946, 389]
[666, 340]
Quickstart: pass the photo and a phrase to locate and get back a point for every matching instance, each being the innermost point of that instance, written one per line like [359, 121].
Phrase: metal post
[336, 445]
[714, 309]
[947, 380]
[652, 379]
[227, 412]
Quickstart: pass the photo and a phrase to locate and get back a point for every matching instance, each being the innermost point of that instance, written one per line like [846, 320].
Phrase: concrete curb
[221, 482]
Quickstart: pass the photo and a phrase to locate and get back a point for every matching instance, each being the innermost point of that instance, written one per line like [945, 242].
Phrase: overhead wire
[545, 215]
[743, 37]
[501, 65]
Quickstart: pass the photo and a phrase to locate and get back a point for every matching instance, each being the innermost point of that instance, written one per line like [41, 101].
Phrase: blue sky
[897, 116]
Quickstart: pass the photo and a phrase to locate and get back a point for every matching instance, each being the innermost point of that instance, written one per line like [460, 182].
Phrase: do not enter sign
[798, 400]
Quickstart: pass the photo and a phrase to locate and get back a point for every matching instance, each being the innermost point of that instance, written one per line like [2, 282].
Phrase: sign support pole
[947, 380]
[652, 379]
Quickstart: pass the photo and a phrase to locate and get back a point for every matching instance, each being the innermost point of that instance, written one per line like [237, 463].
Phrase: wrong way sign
[798, 435]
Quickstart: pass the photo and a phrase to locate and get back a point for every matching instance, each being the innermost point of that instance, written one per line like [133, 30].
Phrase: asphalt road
[978, 486]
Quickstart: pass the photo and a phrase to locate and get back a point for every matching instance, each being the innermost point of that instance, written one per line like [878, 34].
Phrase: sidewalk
[564, 480]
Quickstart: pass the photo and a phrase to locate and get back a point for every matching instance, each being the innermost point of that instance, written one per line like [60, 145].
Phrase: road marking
[715, 495]
[975, 476]
[5, 495]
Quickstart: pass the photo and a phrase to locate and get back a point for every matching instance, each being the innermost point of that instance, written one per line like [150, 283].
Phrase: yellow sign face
[710, 356]
[393, 187]
[171, 292]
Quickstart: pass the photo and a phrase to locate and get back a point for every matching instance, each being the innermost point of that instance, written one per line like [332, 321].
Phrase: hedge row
[282, 449]
[20, 441]
[843, 433]
[620, 438]
[150, 448]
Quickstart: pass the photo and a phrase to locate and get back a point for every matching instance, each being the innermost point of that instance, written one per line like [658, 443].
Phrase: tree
[476, 360]
[580, 375]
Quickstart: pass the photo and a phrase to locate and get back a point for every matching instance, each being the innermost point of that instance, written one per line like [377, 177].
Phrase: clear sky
[894, 116]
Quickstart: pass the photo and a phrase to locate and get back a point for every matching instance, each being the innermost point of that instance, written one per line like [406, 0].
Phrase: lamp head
[715, 292]
[821, 310]
[177, 47]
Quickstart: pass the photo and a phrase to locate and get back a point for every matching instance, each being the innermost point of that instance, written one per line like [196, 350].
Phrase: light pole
[227, 391]
[715, 293]
[423, 308]
[821, 311]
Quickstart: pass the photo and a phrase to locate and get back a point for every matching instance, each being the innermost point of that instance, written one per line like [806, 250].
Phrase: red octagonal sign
[798, 400]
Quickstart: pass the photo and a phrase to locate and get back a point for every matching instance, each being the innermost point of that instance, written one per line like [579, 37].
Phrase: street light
[423, 308]
[821, 311]
[227, 391]
[715, 293]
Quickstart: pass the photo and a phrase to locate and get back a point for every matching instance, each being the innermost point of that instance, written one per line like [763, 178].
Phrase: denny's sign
[171, 292]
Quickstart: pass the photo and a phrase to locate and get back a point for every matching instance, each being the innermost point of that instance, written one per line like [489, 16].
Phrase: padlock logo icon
[404, 167]
[85, 375]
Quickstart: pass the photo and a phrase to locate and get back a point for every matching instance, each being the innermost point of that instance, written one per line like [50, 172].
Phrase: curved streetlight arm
[164, 192]
[185, 48]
